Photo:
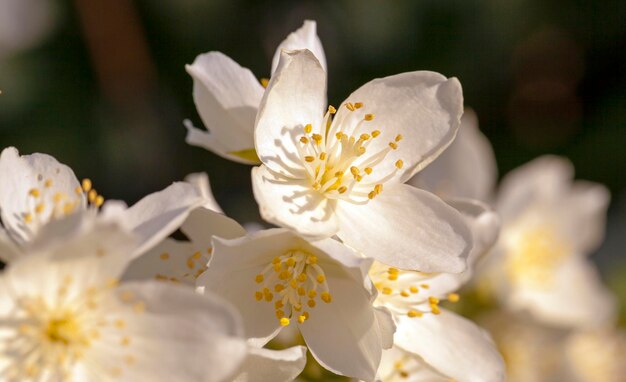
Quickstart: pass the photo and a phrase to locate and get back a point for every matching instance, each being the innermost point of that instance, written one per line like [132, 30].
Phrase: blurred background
[101, 85]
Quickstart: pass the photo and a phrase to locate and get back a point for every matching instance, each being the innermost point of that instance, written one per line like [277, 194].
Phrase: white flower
[262, 365]
[345, 176]
[398, 365]
[36, 190]
[450, 345]
[275, 279]
[550, 224]
[227, 97]
[596, 355]
[65, 316]
[467, 169]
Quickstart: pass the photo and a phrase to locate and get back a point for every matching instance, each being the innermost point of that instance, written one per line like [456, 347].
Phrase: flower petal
[303, 38]
[577, 297]
[295, 97]
[293, 204]
[407, 228]
[263, 365]
[227, 97]
[159, 214]
[201, 181]
[179, 336]
[34, 180]
[451, 344]
[398, 365]
[345, 335]
[8, 249]
[423, 107]
[466, 169]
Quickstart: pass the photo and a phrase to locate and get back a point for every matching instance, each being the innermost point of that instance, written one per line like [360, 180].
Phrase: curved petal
[545, 178]
[227, 97]
[345, 335]
[407, 228]
[202, 224]
[423, 107]
[576, 298]
[303, 38]
[453, 345]
[159, 214]
[398, 365]
[201, 181]
[295, 97]
[293, 204]
[34, 189]
[466, 169]
[263, 365]
[176, 321]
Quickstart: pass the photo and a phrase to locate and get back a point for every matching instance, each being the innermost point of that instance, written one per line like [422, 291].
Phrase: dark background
[102, 85]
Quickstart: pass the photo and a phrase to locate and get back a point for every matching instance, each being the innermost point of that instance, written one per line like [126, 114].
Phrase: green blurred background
[101, 85]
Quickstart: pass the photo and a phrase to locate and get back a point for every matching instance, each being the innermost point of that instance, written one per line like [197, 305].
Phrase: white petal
[295, 97]
[201, 181]
[466, 169]
[545, 178]
[8, 249]
[407, 228]
[303, 38]
[424, 107]
[294, 204]
[345, 335]
[159, 214]
[202, 224]
[262, 365]
[577, 297]
[227, 97]
[453, 345]
[20, 175]
[180, 336]
[412, 368]
[386, 325]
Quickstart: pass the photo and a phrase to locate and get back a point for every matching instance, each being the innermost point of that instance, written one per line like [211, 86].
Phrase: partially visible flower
[466, 169]
[450, 345]
[344, 175]
[276, 279]
[227, 97]
[65, 316]
[36, 189]
[262, 365]
[596, 355]
[550, 224]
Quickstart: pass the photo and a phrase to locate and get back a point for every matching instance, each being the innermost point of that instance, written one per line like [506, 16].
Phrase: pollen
[308, 128]
[453, 297]
[264, 82]
[284, 321]
[331, 109]
[399, 163]
[368, 117]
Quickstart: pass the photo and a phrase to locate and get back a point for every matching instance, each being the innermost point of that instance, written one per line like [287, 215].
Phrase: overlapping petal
[303, 38]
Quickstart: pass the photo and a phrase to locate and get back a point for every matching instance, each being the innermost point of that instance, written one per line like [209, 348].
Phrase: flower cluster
[370, 249]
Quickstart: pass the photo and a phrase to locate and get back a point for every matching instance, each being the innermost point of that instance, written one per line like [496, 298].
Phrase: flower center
[406, 292]
[290, 281]
[337, 161]
[534, 255]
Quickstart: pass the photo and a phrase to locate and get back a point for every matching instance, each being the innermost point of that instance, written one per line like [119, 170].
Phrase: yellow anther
[393, 276]
[331, 109]
[340, 135]
[304, 140]
[190, 263]
[404, 293]
[264, 82]
[338, 174]
[371, 195]
[358, 105]
[92, 195]
[34, 192]
[393, 270]
[326, 297]
[368, 117]
[28, 217]
[364, 137]
[276, 268]
[453, 297]
[350, 106]
[311, 303]
[78, 190]
[297, 307]
[306, 315]
[312, 259]
[197, 255]
[280, 314]
[301, 319]
[399, 163]
[354, 170]
[413, 289]
[276, 260]
[278, 304]
[320, 278]
[387, 290]
[39, 208]
[86, 184]
[308, 128]
[414, 313]
[284, 275]
[99, 201]
[279, 288]
[293, 283]
[435, 309]
[302, 277]
[378, 188]
[164, 256]
[399, 137]
[393, 145]
[268, 296]
[58, 196]
[301, 291]
[48, 183]
[309, 158]
[317, 138]
[425, 286]
[375, 133]
[433, 300]
[322, 155]
[312, 293]
[284, 321]
[259, 279]
[291, 262]
[368, 170]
